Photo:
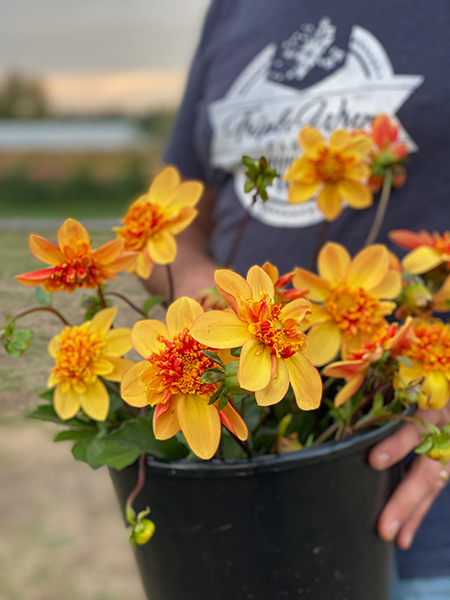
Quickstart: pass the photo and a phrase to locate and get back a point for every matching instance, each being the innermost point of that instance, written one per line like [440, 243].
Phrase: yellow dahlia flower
[348, 301]
[83, 354]
[273, 346]
[170, 379]
[334, 173]
[153, 220]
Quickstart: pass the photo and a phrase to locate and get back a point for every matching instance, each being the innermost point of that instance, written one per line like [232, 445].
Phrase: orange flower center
[77, 353]
[353, 309]
[432, 347]
[442, 243]
[141, 223]
[373, 350]
[330, 166]
[179, 367]
[282, 336]
[81, 271]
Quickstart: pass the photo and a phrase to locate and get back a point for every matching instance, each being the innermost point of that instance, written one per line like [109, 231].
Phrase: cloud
[132, 91]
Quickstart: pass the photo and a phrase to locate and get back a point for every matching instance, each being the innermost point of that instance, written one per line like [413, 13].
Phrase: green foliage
[259, 176]
[93, 304]
[16, 341]
[42, 297]
[152, 302]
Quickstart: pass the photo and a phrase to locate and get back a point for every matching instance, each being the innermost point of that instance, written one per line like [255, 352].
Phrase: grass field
[62, 534]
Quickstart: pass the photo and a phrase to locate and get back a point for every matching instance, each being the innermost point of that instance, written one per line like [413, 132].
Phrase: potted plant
[246, 424]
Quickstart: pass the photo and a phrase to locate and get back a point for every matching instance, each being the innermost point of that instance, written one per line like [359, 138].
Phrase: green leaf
[404, 360]
[248, 162]
[236, 352]
[79, 450]
[72, 435]
[151, 302]
[139, 435]
[216, 395]
[47, 395]
[424, 446]
[115, 456]
[378, 401]
[42, 297]
[212, 376]
[46, 412]
[213, 356]
[223, 401]
[115, 404]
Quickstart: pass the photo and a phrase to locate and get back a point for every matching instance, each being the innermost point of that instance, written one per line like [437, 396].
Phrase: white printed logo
[259, 116]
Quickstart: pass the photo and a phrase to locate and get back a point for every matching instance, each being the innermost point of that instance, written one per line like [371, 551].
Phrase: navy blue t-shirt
[265, 69]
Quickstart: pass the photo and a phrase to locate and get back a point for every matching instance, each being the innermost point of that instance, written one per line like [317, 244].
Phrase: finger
[394, 448]
[409, 529]
[420, 484]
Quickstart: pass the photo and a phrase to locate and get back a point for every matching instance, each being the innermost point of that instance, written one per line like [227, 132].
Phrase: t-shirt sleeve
[180, 150]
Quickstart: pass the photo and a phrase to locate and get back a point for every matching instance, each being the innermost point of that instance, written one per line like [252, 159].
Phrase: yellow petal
[165, 420]
[187, 194]
[358, 147]
[95, 401]
[311, 142]
[184, 219]
[125, 261]
[200, 424]
[259, 282]
[324, 341]
[355, 193]
[132, 390]
[102, 321]
[109, 252]
[297, 309]
[437, 389]
[421, 260]
[358, 172]
[145, 334]
[369, 267]
[143, 265]
[120, 367]
[318, 288]
[71, 233]
[233, 421]
[339, 139]
[232, 287]
[305, 381]
[102, 366]
[349, 390]
[318, 314]
[46, 251]
[163, 186]
[301, 171]
[390, 287]
[220, 330]
[182, 313]
[345, 369]
[255, 365]
[329, 202]
[162, 247]
[66, 404]
[441, 297]
[300, 192]
[333, 262]
[413, 374]
[118, 341]
[278, 385]
[54, 345]
[271, 271]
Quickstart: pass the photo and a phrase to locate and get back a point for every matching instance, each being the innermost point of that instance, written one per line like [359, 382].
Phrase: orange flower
[388, 338]
[335, 172]
[428, 251]
[170, 379]
[75, 264]
[387, 152]
[154, 219]
[349, 295]
[273, 346]
[83, 354]
[282, 295]
[430, 357]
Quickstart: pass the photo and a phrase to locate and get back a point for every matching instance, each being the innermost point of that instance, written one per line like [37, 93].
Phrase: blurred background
[88, 92]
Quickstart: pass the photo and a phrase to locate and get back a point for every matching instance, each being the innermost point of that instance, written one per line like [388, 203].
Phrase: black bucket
[299, 525]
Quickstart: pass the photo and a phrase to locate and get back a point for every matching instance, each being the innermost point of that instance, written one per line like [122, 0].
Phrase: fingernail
[382, 459]
[392, 530]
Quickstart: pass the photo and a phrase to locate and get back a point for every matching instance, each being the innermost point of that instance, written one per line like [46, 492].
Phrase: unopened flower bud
[230, 379]
[143, 531]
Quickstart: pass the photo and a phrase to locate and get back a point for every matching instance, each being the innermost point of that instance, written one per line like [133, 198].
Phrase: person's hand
[425, 478]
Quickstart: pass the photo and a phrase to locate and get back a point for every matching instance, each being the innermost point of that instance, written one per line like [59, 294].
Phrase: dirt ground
[62, 537]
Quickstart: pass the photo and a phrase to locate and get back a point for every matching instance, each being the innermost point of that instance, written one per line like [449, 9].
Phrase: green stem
[326, 434]
[41, 308]
[101, 297]
[139, 485]
[382, 207]
[376, 420]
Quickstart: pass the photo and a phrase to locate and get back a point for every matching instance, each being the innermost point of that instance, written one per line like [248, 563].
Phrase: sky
[102, 54]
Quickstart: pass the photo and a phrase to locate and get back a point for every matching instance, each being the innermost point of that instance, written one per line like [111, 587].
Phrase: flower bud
[231, 380]
[143, 531]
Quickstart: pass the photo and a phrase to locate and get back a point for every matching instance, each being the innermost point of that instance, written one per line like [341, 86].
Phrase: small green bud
[231, 380]
[143, 531]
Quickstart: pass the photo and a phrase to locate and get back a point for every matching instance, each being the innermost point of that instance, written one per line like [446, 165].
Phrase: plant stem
[38, 309]
[326, 434]
[171, 296]
[139, 485]
[125, 299]
[382, 207]
[101, 296]
[240, 232]
[319, 242]
[244, 445]
[376, 420]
